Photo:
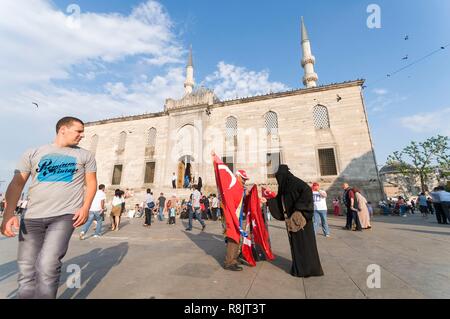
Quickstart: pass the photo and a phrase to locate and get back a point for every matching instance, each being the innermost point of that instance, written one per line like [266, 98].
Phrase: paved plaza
[165, 261]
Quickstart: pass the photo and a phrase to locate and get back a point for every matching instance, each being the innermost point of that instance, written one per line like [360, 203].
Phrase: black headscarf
[297, 194]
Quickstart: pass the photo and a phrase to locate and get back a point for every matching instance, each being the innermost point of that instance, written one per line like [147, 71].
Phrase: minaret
[189, 83]
[308, 60]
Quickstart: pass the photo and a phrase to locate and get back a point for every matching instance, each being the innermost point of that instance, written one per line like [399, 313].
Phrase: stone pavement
[164, 261]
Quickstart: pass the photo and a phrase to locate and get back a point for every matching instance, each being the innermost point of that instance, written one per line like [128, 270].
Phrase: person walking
[116, 209]
[149, 206]
[350, 203]
[196, 196]
[95, 213]
[320, 209]
[363, 210]
[336, 207]
[215, 207]
[63, 185]
[444, 198]
[172, 204]
[440, 215]
[423, 205]
[174, 179]
[161, 207]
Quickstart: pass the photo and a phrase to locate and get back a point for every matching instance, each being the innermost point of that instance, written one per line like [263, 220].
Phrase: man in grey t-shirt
[58, 203]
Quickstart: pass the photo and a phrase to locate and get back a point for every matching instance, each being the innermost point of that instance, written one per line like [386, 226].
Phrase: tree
[423, 159]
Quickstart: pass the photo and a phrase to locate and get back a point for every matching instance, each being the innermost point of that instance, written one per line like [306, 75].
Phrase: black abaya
[298, 196]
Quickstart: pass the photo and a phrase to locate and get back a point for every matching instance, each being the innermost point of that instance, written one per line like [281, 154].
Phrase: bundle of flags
[235, 204]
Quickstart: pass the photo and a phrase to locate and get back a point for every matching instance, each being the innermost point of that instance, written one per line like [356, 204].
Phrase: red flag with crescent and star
[231, 195]
[259, 230]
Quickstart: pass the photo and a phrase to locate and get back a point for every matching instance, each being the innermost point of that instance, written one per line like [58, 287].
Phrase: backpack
[151, 205]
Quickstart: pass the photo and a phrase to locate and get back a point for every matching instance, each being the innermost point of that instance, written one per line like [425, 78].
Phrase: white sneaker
[96, 236]
[328, 235]
[81, 235]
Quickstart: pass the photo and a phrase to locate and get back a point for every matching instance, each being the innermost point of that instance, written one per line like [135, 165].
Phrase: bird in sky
[405, 57]
[406, 37]
[35, 104]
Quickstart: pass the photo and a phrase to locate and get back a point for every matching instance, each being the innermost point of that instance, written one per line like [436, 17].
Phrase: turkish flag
[259, 230]
[231, 194]
[267, 193]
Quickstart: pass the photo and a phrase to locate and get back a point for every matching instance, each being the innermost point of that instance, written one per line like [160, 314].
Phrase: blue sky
[126, 57]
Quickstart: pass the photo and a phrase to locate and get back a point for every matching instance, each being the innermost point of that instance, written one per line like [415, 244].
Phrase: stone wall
[299, 141]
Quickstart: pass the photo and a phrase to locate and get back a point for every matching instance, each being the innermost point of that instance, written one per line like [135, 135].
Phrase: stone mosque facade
[320, 132]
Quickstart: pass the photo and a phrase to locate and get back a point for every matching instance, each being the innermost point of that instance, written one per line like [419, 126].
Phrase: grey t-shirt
[57, 179]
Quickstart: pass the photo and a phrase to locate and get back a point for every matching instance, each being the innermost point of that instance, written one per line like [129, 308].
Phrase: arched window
[122, 141]
[271, 120]
[94, 142]
[231, 133]
[231, 127]
[151, 141]
[320, 116]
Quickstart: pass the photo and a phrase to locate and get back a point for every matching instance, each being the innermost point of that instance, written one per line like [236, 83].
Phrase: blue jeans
[161, 213]
[217, 210]
[97, 215]
[322, 215]
[43, 243]
[198, 216]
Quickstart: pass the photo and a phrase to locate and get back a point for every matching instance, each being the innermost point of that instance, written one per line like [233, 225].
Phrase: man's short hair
[101, 187]
[67, 121]
[149, 190]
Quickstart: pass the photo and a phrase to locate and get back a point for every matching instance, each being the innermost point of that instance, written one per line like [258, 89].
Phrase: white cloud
[384, 101]
[436, 122]
[380, 91]
[41, 45]
[231, 81]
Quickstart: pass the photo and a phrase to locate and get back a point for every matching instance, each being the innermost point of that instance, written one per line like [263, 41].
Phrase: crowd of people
[75, 201]
[198, 206]
[436, 202]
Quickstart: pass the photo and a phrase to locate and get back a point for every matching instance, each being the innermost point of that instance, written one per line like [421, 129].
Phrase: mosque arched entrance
[185, 151]
[185, 170]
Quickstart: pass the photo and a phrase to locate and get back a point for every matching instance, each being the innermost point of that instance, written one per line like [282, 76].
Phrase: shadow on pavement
[210, 243]
[414, 220]
[94, 266]
[425, 231]
[7, 270]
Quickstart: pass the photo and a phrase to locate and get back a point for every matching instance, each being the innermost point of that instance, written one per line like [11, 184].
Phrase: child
[171, 207]
[336, 207]
[370, 208]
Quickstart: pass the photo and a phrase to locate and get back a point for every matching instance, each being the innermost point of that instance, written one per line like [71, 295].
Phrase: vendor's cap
[242, 173]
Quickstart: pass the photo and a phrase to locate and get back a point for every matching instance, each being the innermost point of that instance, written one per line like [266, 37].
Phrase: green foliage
[421, 160]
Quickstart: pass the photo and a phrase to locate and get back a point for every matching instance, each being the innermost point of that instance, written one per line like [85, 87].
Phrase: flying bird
[442, 48]
[35, 104]
[405, 57]
[406, 37]
[338, 98]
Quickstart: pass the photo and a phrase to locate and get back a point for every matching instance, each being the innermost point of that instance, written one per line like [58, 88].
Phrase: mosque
[320, 131]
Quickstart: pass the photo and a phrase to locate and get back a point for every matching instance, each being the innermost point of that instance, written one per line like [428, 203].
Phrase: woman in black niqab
[297, 196]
